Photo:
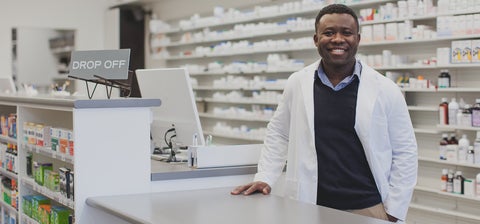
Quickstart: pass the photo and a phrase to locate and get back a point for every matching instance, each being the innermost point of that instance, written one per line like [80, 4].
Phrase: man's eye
[347, 33]
[328, 33]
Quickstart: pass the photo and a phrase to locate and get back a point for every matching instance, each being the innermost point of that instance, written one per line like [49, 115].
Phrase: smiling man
[344, 130]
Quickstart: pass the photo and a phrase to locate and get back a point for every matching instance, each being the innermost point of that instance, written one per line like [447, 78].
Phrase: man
[343, 128]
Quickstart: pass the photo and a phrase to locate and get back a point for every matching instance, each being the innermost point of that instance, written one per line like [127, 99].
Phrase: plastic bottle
[470, 155]
[443, 185]
[465, 116]
[461, 103]
[421, 9]
[476, 113]
[463, 145]
[450, 182]
[452, 148]
[458, 183]
[444, 79]
[443, 111]
[442, 148]
[476, 149]
[452, 112]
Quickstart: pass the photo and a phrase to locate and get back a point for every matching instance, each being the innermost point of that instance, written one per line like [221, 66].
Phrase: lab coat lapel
[307, 90]
[366, 98]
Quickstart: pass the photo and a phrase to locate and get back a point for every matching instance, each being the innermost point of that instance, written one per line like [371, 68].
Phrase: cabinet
[229, 56]
[111, 144]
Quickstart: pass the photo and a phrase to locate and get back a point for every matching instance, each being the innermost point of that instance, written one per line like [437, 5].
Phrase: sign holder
[109, 85]
[112, 64]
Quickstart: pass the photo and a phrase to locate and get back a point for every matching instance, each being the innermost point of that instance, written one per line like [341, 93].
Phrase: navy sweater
[345, 180]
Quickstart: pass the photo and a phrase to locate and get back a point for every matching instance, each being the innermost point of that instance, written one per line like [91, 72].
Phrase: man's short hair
[336, 9]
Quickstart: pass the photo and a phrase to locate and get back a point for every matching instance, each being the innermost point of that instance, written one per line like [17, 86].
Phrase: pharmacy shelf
[413, 41]
[423, 17]
[415, 67]
[457, 127]
[237, 118]
[244, 100]
[432, 90]
[435, 191]
[234, 136]
[427, 130]
[309, 48]
[236, 37]
[8, 174]
[8, 207]
[296, 31]
[243, 73]
[47, 151]
[423, 108]
[444, 211]
[8, 139]
[242, 52]
[56, 196]
[226, 88]
[28, 220]
[291, 12]
[446, 162]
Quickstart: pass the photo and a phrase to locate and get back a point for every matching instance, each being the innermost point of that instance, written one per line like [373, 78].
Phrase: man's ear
[315, 39]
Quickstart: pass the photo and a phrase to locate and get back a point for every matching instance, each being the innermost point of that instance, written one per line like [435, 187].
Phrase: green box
[59, 215]
[52, 180]
[40, 172]
[27, 205]
[7, 195]
[44, 214]
[38, 200]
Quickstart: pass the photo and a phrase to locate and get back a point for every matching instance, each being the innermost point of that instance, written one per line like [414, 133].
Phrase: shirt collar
[357, 71]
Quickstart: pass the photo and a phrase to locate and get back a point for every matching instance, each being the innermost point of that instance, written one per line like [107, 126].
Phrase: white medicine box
[476, 51]
[461, 51]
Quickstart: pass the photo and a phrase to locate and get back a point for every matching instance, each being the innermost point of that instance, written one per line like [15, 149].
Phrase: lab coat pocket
[291, 188]
[380, 136]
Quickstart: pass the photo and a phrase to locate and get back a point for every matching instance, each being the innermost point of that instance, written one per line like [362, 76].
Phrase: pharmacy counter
[218, 206]
[162, 171]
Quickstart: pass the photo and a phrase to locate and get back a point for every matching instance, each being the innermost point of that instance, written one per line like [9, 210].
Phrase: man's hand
[392, 218]
[251, 188]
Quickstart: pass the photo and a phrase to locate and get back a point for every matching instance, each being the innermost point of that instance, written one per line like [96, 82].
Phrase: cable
[166, 133]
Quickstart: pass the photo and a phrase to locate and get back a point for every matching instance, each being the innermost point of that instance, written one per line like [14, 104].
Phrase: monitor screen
[172, 86]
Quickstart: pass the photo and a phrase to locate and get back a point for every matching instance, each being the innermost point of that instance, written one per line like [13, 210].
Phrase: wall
[85, 16]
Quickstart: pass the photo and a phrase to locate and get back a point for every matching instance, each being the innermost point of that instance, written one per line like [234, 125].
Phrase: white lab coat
[382, 123]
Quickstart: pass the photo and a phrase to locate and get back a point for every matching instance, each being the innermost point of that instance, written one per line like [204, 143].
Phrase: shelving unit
[98, 133]
[429, 204]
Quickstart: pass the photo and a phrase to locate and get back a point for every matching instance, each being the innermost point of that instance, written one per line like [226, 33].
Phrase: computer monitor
[172, 86]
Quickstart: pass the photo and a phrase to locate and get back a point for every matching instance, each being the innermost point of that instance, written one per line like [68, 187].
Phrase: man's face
[337, 39]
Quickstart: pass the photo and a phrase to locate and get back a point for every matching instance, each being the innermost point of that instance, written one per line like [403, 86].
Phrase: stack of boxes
[465, 51]
[60, 141]
[40, 208]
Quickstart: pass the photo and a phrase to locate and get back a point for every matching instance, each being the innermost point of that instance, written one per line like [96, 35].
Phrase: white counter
[218, 206]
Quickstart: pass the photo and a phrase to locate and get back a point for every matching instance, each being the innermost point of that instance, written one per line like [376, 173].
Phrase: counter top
[172, 171]
[71, 102]
[218, 206]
